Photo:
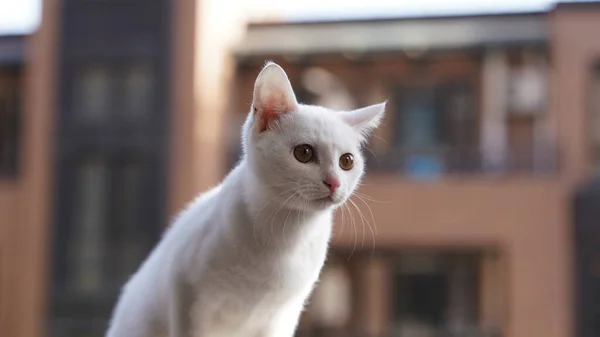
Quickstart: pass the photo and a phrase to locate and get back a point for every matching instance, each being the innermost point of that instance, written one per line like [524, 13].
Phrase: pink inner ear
[264, 118]
[271, 110]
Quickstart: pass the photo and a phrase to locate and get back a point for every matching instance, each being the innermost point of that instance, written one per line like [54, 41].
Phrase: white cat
[243, 258]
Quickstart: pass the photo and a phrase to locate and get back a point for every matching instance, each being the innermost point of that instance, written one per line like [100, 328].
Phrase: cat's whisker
[366, 147]
[352, 230]
[340, 230]
[283, 204]
[367, 197]
[362, 243]
[380, 138]
[364, 219]
[286, 218]
[281, 184]
[265, 204]
[370, 211]
[360, 184]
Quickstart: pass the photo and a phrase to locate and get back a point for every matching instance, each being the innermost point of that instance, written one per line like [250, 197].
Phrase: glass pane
[138, 91]
[92, 94]
[131, 237]
[419, 120]
[436, 293]
[87, 240]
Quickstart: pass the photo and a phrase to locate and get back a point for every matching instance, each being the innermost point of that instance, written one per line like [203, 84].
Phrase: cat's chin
[325, 203]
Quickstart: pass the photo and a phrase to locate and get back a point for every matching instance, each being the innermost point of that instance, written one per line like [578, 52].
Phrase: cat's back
[194, 231]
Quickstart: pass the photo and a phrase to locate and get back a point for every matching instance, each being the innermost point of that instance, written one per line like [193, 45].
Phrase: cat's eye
[347, 161]
[304, 153]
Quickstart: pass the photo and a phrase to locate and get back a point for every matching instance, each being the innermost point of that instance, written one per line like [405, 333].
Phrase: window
[460, 127]
[418, 135]
[114, 92]
[138, 91]
[436, 129]
[110, 234]
[10, 110]
[129, 236]
[87, 243]
[436, 293]
[419, 128]
[93, 96]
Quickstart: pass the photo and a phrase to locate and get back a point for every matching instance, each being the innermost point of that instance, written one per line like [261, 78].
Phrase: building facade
[99, 116]
[490, 130]
[466, 225]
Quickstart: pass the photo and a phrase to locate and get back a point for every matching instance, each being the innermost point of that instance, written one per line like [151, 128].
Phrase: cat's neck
[273, 220]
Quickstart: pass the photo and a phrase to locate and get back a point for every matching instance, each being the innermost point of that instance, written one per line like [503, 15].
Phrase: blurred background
[481, 207]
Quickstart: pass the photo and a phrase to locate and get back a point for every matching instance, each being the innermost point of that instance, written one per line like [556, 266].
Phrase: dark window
[424, 297]
[129, 234]
[10, 113]
[436, 292]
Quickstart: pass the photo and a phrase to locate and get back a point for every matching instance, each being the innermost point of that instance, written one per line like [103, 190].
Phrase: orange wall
[575, 50]
[9, 195]
[525, 218]
[24, 202]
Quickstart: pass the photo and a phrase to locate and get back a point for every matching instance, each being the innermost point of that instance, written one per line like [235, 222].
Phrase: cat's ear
[273, 95]
[364, 120]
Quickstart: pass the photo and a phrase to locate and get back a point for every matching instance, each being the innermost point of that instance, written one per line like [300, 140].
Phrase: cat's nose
[332, 183]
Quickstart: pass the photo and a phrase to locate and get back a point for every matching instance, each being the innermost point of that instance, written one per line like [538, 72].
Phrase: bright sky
[22, 16]
[19, 16]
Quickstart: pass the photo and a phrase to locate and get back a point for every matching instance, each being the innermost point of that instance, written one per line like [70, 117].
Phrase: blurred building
[115, 113]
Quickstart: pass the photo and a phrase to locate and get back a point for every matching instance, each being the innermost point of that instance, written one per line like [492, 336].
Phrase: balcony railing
[446, 160]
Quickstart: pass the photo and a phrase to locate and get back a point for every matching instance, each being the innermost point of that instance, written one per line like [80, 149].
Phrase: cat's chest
[265, 278]
[257, 288]
[276, 272]
[247, 283]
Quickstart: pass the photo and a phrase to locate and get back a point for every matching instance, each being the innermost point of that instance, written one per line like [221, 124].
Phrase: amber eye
[347, 161]
[304, 153]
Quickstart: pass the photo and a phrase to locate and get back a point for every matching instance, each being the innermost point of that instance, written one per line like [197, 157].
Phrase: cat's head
[307, 157]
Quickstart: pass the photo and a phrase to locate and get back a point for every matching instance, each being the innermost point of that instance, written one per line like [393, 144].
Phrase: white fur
[243, 258]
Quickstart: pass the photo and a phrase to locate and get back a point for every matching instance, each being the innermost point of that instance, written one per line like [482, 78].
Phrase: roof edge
[401, 18]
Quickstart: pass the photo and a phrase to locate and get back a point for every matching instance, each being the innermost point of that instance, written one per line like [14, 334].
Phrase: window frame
[13, 132]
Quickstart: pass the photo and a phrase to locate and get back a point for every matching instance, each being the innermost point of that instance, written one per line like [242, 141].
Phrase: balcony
[433, 162]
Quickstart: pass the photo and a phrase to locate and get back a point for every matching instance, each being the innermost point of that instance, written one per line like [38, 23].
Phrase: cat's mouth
[326, 201]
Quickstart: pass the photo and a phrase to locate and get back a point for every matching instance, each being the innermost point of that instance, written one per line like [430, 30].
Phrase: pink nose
[332, 183]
